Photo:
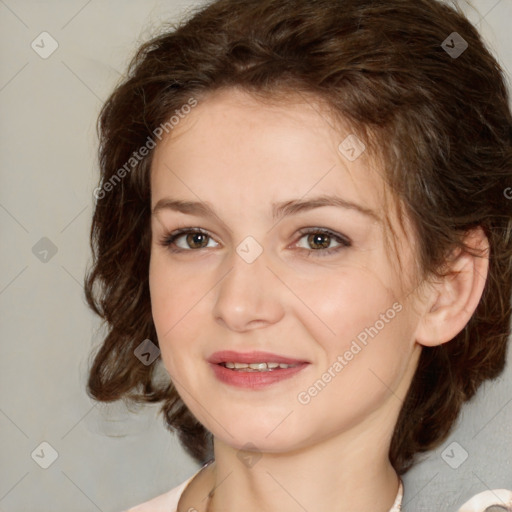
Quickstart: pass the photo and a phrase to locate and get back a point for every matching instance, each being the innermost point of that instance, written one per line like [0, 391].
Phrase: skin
[241, 155]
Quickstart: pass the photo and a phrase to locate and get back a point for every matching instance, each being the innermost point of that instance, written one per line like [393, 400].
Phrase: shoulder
[167, 502]
[495, 499]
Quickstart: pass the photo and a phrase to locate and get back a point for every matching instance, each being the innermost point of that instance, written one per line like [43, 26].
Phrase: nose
[249, 296]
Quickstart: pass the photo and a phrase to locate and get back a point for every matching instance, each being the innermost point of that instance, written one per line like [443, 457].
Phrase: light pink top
[168, 502]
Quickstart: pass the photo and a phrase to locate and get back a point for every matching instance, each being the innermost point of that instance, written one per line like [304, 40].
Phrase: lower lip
[254, 380]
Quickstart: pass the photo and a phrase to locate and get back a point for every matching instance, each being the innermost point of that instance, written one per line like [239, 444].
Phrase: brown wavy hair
[440, 124]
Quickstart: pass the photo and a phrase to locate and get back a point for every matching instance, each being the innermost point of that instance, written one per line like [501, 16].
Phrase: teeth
[258, 367]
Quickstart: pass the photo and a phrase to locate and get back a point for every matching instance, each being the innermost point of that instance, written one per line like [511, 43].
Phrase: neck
[329, 476]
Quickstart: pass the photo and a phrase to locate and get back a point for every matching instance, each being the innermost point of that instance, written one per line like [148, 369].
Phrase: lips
[253, 378]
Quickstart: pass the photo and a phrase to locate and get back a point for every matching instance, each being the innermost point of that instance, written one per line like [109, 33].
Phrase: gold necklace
[210, 496]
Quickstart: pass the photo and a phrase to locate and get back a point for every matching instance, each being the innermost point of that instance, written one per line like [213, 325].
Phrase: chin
[263, 438]
[258, 443]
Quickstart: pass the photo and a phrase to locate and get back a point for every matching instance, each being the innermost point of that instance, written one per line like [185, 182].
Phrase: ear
[451, 301]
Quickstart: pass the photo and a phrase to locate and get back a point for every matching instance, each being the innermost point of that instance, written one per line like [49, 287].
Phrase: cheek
[173, 297]
[365, 335]
[347, 303]
[174, 290]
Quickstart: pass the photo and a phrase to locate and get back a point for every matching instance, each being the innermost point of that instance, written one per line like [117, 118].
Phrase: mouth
[255, 369]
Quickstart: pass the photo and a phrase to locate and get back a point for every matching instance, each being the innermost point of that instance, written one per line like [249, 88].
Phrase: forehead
[266, 149]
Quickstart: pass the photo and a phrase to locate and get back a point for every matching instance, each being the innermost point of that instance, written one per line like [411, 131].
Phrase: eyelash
[169, 239]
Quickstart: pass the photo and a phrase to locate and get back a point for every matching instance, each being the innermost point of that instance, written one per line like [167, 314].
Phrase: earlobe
[452, 299]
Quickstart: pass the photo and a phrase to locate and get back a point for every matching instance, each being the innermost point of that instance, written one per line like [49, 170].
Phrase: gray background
[109, 458]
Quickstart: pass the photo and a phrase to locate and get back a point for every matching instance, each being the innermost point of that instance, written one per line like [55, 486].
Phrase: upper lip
[226, 356]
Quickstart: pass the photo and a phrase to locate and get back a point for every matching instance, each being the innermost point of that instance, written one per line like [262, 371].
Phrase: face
[284, 254]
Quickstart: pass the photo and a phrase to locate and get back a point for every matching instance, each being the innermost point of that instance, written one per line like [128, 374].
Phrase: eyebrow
[279, 210]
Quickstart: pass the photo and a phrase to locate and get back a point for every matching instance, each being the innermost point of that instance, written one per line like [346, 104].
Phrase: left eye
[321, 239]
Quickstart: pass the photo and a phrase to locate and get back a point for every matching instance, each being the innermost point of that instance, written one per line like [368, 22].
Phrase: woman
[303, 210]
